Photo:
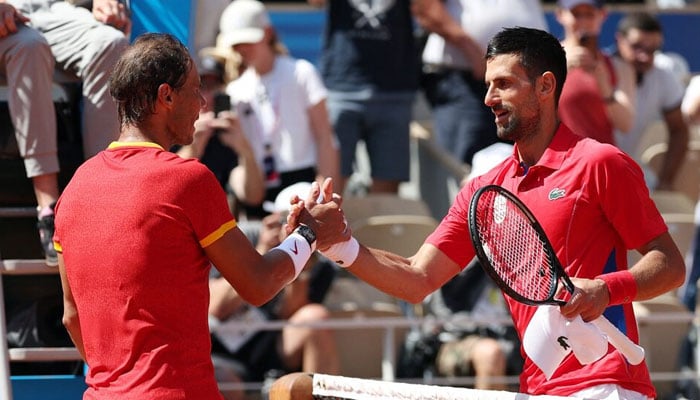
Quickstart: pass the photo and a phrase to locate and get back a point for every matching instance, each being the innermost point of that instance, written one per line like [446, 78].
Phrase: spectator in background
[281, 104]
[659, 95]
[86, 43]
[369, 63]
[453, 65]
[463, 345]
[36, 37]
[219, 141]
[599, 92]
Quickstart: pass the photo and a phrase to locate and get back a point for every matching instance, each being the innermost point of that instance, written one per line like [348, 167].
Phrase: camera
[222, 102]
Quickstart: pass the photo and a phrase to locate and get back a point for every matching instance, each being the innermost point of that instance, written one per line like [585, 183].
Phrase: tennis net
[300, 386]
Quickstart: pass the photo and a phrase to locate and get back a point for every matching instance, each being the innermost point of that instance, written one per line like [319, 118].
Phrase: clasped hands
[321, 212]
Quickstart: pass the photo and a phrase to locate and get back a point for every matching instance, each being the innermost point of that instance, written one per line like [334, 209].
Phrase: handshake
[317, 220]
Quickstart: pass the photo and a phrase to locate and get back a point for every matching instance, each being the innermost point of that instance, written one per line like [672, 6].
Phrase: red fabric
[582, 108]
[621, 286]
[130, 226]
[580, 192]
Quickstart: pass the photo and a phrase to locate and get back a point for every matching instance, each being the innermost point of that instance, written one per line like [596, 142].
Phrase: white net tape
[340, 387]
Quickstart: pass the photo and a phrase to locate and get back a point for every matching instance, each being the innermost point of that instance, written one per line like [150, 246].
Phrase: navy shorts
[383, 123]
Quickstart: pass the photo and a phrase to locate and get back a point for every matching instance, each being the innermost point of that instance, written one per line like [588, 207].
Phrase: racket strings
[514, 248]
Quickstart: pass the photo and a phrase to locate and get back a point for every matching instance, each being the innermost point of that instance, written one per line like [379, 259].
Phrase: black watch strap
[308, 234]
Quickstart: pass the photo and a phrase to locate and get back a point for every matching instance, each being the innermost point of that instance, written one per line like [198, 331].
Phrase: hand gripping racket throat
[515, 252]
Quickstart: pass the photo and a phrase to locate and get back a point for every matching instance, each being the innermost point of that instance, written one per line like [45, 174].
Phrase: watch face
[307, 233]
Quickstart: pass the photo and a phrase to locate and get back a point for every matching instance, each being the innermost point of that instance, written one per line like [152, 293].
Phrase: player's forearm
[410, 279]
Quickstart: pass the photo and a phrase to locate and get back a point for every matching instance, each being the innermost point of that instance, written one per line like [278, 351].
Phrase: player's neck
[133, 133]
[531, 148]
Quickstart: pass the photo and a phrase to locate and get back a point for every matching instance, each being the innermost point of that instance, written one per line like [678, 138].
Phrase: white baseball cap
[281, 203]
[243, 21]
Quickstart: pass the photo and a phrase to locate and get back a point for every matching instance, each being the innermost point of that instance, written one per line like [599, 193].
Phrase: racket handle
[633, 352]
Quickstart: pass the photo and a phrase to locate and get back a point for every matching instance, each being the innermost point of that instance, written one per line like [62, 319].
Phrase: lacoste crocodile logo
[563, 342]
[556, 193]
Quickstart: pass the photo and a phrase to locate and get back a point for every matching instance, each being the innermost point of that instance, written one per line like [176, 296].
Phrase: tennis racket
[514, 250]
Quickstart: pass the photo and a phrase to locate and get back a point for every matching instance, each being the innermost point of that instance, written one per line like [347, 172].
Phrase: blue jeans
[463, 123]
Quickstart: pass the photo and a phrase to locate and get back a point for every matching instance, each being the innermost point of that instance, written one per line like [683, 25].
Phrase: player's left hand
[590, 298]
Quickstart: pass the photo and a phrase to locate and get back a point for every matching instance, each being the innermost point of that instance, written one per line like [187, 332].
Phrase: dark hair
[539, 52]
[153, 59]
[643, 21]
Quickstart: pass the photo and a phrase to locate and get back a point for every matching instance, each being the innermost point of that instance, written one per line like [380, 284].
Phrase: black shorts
[259, 355]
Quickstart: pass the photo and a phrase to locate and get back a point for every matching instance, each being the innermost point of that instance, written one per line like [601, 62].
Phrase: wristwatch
[308, 234]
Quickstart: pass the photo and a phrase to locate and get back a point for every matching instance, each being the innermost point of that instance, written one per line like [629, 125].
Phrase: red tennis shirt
[132, 225]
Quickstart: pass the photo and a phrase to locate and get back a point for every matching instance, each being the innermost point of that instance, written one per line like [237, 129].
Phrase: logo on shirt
[563, 342]
[372, 12]
[556, 193]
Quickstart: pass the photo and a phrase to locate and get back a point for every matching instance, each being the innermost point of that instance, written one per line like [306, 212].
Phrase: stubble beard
[518, 128]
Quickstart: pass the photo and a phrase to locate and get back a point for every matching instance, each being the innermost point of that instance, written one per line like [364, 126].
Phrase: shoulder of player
[184, 166]
[593, 153]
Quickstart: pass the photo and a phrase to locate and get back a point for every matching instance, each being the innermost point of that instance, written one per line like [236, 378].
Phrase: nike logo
[295, 250]
[556, 193]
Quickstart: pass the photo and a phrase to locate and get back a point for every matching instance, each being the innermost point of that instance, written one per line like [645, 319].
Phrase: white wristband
[344, 253]
[298, 250]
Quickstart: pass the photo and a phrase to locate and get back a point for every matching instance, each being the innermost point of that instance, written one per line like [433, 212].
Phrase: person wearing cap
[280, 102]
[599, 93]
[255, 355]
[219, 141]
[369, 63]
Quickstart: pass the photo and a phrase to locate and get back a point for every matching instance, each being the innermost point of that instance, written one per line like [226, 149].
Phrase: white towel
[587, 341]
[550, 337]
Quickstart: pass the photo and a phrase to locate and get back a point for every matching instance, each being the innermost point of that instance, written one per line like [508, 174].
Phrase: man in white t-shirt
[659, 94]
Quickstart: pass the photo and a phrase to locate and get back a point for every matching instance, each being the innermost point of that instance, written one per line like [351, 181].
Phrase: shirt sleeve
[452, 235]
[625, 199]
[309, 78]
[205, 204]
